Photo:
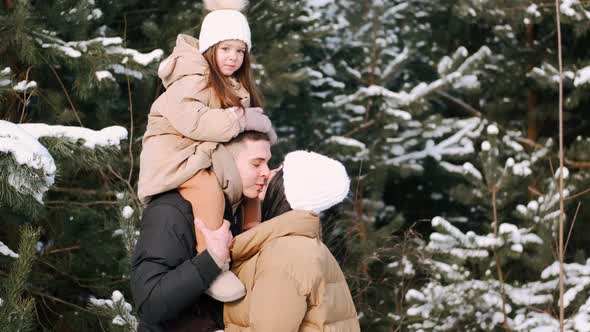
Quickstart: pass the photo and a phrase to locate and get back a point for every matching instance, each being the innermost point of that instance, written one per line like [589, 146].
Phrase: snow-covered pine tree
[62, 65]
[506, 278]
[90, 64]
[372, 88]
[33, 155]
[486, 281]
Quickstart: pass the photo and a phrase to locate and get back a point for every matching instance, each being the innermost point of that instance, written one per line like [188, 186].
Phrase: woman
[293, 283]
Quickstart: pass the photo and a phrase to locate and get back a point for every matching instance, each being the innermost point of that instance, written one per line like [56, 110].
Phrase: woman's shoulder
[293, 250]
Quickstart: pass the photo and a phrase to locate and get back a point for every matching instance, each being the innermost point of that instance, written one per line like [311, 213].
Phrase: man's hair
[235, 144]
[275, 201]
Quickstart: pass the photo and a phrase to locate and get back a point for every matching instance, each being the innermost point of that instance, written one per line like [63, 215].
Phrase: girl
[210, 98]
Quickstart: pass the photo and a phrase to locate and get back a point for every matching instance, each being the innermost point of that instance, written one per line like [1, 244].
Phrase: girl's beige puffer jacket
[186, 124]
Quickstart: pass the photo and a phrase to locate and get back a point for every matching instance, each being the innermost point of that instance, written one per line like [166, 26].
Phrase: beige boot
[226, 287]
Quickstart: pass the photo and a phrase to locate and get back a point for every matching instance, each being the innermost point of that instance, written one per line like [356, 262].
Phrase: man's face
[252, 162]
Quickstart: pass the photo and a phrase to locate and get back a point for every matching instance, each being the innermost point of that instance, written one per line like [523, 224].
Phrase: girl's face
[230, 56]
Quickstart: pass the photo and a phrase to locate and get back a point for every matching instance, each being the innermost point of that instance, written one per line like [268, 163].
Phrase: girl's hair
[275, 201]
[219, 83]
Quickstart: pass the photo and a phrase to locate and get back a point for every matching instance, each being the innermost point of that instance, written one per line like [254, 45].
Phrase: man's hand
[217, 241]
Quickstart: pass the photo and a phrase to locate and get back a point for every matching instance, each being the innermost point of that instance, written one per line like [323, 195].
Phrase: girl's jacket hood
[184, 60]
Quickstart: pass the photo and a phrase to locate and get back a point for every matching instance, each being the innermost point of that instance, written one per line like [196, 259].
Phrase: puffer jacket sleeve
[186, 106]
[276, 303]
[166, 277]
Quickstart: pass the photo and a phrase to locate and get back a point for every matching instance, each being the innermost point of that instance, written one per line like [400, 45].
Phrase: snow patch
[23, 86]
[27, 151]
[110, 136]
[104, 74]
[582, 76]
[4, 250]
[346, 141]
[127, 212]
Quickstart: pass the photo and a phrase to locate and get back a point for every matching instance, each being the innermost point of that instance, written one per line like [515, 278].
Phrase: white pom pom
[212, 5]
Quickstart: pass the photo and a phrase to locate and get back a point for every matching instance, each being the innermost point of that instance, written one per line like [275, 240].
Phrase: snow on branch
[532, 293]
[547, 74]
[5, 77]
[444, 307]
[110, 136]
[458, 143]
[143, 59]
[394, 65]
[450, 240]
[582, 76]
[400, 99]
[350, 145]
[22, 142]
[544, 210]
[111, 45]
[23, 86]
[27, 150]
[577, 280]
[118, 308]
[574, 10]
[4, 250]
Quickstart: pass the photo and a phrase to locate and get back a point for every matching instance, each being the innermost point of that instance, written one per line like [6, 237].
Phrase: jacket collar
[228, 176]
[296, 222]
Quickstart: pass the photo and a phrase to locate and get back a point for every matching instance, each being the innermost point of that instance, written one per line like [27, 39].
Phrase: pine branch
[64, 90]
[131, 158]
[561, 165]
[16, 313]
[86, 192]
[93, 203]
[498, 259]
[470, 109]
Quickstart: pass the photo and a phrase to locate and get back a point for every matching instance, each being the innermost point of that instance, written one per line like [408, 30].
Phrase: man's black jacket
[168, 278]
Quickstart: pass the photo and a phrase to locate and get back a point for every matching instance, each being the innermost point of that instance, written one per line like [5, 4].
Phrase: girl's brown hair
[275, 201]
[219, 83]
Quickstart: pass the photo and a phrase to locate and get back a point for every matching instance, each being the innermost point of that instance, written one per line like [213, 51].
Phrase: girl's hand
[256, 120]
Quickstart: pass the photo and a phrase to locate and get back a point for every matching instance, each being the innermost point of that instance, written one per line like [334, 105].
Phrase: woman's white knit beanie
[224, 22]
[314, 182]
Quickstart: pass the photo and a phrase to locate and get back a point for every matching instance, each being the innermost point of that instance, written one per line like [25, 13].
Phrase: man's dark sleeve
[166, 278]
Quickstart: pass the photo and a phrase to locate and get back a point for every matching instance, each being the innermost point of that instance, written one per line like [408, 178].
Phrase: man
[169, 278]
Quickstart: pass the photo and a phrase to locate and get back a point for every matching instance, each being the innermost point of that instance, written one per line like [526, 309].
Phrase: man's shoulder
[170, 203]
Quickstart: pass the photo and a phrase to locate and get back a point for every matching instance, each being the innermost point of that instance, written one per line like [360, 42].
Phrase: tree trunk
[8, 4]
[532, 130]
[532, 96]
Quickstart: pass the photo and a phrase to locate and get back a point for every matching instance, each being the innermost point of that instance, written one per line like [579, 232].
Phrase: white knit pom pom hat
[224, 22]
[314, 182]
